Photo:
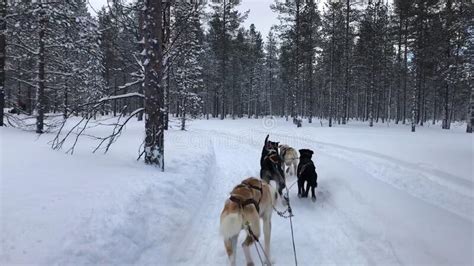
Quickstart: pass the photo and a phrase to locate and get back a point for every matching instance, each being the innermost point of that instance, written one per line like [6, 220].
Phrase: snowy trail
[358, 218]
[453, 193]
[200, 243]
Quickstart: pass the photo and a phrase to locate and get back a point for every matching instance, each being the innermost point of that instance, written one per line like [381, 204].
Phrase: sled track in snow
[200, 243]
[436, 187]
[338, 224]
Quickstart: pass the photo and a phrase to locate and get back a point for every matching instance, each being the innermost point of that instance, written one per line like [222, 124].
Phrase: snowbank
[94, 208]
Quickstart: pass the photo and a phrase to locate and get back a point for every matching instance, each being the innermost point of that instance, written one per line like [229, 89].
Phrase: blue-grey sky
[260, 13]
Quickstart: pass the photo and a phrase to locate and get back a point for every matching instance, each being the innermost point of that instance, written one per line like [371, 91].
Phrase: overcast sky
[260, 13]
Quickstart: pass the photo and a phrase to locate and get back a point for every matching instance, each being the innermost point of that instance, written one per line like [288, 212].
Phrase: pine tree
[153, 88]
[61, 40]
[290, 13]
[333, 32]
[271, 74]
[186, 54]
[224, 23]
[255, 56]
[402, 11]
[310, 23]
[469, 67]
[374, 57]
[3, 14]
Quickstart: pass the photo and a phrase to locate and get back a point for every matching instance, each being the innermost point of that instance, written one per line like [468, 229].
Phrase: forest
[236, 132]
[401, 62]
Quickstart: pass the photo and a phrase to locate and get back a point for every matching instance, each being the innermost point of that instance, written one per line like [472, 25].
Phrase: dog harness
[242, 203]
[260, 188]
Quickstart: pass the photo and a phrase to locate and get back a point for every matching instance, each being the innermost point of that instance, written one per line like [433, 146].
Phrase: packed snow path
[385, 196]
[357, 219]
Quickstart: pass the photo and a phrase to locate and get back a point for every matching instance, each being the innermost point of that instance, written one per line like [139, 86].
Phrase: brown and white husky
[249, 201]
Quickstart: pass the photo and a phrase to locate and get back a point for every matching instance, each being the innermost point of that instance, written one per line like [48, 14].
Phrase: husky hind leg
[267, 231]
[230, 227]
[252, 235]
[295, 167]
[231, 248]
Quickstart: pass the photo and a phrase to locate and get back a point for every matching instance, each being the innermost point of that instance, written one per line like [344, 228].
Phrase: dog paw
[250, 264]
[299, 195]
[269, 263]
[313, 198]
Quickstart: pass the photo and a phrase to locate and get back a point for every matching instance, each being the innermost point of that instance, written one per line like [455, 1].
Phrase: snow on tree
[55, 45]
[3, 14]
[186, 64]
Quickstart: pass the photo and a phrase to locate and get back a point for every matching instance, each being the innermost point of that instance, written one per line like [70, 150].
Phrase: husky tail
[231, 224]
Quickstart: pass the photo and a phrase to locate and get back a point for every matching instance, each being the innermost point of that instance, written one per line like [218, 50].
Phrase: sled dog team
[254, 199]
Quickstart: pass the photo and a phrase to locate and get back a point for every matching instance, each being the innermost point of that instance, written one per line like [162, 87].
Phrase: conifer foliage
[337, 60]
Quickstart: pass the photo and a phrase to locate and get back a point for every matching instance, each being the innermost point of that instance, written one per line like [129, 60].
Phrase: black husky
[306, 173]
[271, 164]
[268, 146]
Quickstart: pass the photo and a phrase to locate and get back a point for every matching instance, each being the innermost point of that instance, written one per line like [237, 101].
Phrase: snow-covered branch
[121, 96]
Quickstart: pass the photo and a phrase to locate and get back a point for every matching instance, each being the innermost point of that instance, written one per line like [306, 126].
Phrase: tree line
[406, 62]
[344, 60]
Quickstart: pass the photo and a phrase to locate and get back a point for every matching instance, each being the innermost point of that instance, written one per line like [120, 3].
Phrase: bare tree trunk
[446, 110]
[140, 37]
[444, 124]
[413, 112]
[232, 94]
[270, 78]
[346, 87]
[66, 103]
[331, 70]
[371, 99]
[297, 62]
[40, 93]
[405, 72]
[166, 38]
[115, 93]
[3, 13]
[224, 58]
[414, 105]
[435, 108]
[399, 67]
[311, 100]
[154, 92]
[470, 114]
[183, 113]
[310, 72]
[421, 101]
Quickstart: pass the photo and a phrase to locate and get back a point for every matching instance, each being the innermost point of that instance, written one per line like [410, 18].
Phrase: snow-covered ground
[385, 196]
